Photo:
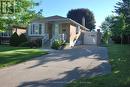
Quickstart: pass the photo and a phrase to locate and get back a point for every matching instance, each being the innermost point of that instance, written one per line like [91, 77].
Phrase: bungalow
[57, 28]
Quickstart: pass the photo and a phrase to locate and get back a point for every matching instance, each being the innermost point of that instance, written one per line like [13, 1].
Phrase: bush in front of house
[38, 42]
[31, 44]
[14, 40]
[22, 41]
[25, 44]
[23, 38]
[57, 44]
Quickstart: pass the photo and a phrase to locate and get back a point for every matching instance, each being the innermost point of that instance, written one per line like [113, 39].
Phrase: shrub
[23, 38]
[33, 43]
[38, 42]
[14, 40]
[57, 44]
[0, 40]
[25, 44]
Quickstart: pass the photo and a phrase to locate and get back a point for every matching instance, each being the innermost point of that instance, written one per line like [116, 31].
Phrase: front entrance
[50, 31]
[57, 31]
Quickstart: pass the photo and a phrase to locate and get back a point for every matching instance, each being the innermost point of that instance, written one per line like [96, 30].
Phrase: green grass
[120, 76]
[14, 55]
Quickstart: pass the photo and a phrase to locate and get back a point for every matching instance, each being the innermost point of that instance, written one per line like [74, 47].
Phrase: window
[36, 29]
[6, 34]
[40, 28]
[78, 30]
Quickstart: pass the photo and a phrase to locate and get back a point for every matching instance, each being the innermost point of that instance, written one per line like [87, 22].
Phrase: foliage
[22, 15]
[14, 55]
[119, 25]
[106, 37]
[25, 44]
[57, 44]
[120, 75]
[14, 40]
[122, 9]
[78, 14]
[106, 25]
[38, 42]
[22, 38]
[106, 28]
[31, 44]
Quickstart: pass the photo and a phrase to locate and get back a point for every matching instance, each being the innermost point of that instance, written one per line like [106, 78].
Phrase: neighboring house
[5, 35]
[57, 28]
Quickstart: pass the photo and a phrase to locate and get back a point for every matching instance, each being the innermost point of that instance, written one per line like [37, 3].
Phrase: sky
[100, 8]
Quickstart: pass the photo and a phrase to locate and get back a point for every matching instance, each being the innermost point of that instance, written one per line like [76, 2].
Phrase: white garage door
[90, 38]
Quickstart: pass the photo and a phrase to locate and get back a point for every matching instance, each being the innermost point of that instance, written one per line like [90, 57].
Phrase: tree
[14, 40]
[106, 28]
[106, 25]
[22, 15]
[78, 14]
[122, 9]
[22, 38]
[119, 27]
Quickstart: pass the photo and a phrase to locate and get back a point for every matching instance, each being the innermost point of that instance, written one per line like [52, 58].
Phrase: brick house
[57, 28]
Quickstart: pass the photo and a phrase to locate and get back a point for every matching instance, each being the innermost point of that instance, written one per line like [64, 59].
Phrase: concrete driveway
[57, 68]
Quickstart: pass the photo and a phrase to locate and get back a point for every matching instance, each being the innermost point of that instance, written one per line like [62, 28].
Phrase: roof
[54, 17]
[59, 18]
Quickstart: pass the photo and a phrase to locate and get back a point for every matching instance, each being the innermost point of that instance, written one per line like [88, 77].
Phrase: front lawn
[13, 55]
[120, 77]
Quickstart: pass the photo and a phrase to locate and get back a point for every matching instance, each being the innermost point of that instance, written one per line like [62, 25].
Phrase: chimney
[83, 21]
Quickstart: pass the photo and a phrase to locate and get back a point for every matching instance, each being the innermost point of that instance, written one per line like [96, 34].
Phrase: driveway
[57, 68]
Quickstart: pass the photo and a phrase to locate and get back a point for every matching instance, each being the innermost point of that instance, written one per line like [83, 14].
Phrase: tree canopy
[119, 25]
[21, 16]
[122, 8]
[106, 25]
[78, 14]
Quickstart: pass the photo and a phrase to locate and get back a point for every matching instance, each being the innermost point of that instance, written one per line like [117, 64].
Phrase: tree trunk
[16, 29]
[121, 39]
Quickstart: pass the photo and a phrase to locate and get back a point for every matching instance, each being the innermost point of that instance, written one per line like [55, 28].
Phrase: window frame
[5, 34]
[34, 26]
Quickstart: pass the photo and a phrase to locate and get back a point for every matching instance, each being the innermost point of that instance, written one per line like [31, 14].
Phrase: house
[57, 28]
[5, 35]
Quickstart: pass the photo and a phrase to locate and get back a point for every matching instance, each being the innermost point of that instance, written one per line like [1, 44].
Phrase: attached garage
[92, 38]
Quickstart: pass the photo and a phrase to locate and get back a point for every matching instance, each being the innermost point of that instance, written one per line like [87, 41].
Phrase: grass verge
[120, 77]
[14, 55]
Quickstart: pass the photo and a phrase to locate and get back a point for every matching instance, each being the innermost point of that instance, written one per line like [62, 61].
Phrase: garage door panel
[90, 38]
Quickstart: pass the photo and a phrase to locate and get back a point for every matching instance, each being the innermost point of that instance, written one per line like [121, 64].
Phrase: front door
[50, 31]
